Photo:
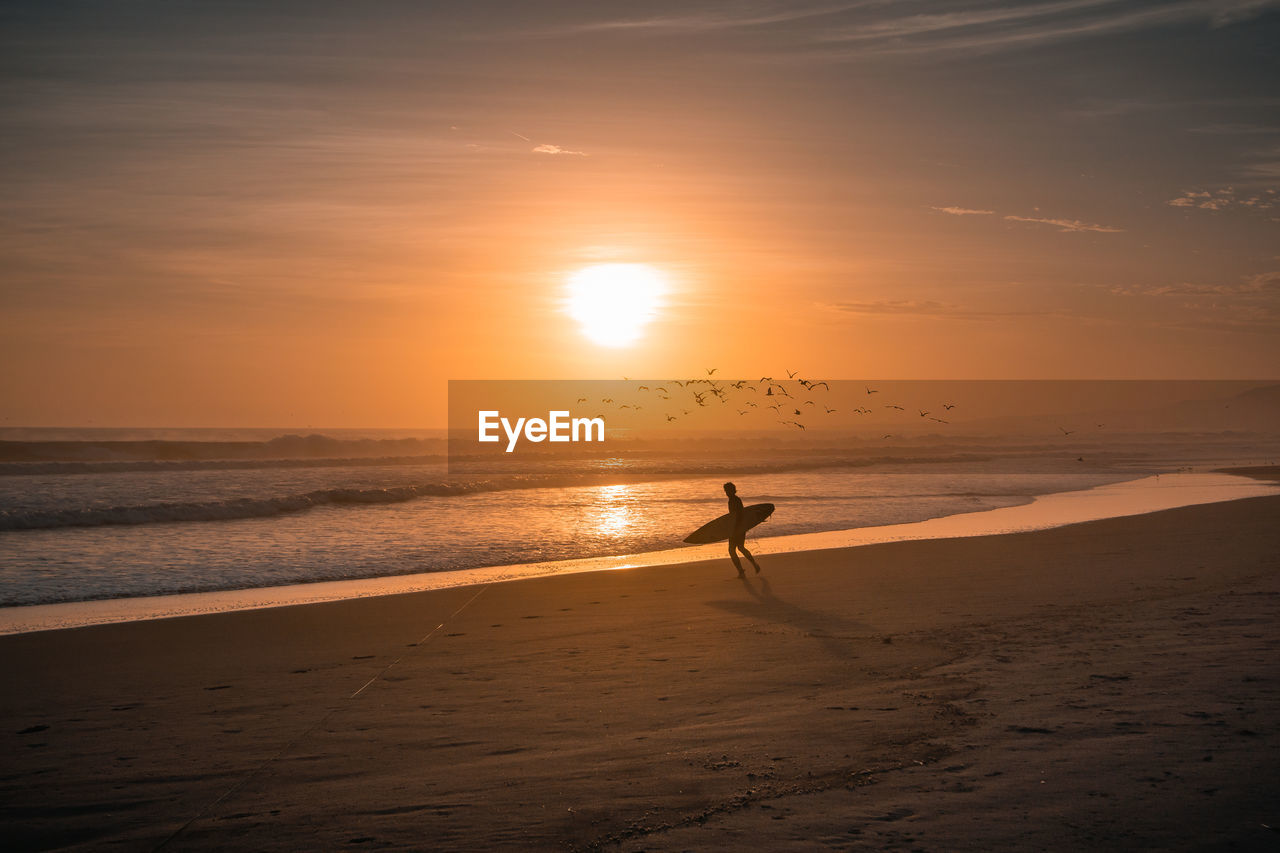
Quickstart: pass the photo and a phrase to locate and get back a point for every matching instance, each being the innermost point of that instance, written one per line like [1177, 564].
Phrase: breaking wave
[225, 510]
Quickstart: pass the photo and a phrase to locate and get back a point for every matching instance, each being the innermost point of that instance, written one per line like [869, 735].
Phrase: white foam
[1135, 497]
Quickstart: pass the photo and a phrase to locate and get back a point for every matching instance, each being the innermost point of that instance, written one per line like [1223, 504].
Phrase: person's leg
[743, 549]
[733, 555]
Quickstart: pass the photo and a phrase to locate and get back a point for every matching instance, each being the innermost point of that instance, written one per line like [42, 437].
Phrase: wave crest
[225, 510]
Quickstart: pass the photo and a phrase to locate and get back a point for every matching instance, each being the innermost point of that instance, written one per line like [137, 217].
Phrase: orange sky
[317, 215]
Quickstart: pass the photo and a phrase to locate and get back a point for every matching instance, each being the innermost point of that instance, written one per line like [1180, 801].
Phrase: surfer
[738, 536]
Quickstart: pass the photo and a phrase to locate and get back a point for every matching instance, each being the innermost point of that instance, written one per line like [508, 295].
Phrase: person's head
[730, 488]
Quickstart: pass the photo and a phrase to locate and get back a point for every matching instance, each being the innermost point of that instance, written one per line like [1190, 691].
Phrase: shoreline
[1043, 512]
[1110, 686]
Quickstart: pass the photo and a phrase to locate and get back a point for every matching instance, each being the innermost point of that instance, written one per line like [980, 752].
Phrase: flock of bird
[793, 400]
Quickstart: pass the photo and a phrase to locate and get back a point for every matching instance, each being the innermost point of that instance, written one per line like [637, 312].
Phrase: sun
[614, 302]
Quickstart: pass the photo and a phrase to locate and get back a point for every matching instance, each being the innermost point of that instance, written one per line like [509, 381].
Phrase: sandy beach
[1112, 685]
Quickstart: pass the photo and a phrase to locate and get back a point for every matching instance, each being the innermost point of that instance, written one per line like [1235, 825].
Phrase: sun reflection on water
[613, 511]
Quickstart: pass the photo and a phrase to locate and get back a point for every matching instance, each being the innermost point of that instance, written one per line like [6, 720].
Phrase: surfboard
[719, 530]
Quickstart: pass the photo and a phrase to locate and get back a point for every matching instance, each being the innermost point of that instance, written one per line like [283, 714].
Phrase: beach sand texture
[1113, 685]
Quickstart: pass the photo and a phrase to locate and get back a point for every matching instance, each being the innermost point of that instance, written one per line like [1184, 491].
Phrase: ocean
[102, 514]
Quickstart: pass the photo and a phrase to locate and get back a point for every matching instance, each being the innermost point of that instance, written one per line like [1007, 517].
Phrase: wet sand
[1110, 685]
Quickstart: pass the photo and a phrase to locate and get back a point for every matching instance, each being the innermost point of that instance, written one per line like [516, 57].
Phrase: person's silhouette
[738, 531]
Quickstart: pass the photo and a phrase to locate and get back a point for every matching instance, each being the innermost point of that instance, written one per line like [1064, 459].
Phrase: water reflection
[612, 512]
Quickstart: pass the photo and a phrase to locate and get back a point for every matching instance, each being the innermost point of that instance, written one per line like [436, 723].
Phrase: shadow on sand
[833, 630]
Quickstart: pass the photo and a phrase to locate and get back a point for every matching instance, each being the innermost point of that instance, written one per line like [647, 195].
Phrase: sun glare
[614, 302]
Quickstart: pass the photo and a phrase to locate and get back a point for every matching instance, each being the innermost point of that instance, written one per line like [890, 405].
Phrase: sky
[316, 214]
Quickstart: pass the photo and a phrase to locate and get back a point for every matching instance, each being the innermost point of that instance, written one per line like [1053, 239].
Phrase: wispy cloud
[983, 28]
[704, 21]
[556, 149]
[956, 20]
[1095, 106]
[1257, 284]
[1263, 169]
[963, 211]
[852, 30]
[1236, 129]
[1067, 225]
[1250, 304]
[934, 310]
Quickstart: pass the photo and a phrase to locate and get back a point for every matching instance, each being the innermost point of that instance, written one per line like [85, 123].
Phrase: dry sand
[1113, 685]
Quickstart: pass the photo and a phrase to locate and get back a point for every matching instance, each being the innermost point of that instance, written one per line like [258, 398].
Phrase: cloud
[556, 149]
[1234, 11]
[931, 309]
[1251, 304]
[1067, 225]
[1110, 107]
[964, 211]
[853, 30]
[1263, 284]
[699, 22]
[982, 29]
[1226, 198]
[1239, 128]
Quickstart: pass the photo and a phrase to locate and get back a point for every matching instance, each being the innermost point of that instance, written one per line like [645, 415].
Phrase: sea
[89, 515]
